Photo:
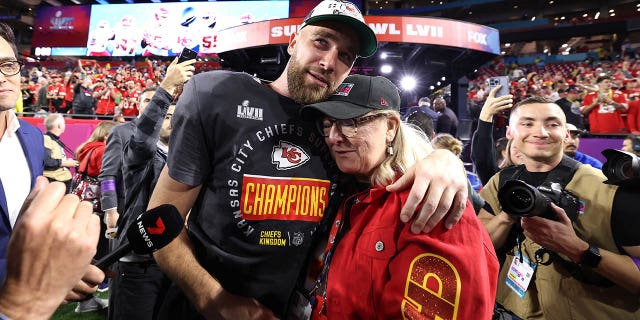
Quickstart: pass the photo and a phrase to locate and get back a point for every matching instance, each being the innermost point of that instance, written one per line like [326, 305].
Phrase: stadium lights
[597, 15]
[408, 83]
[386, 69]
[383, 55]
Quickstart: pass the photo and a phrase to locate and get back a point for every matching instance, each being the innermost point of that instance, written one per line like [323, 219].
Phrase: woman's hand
[494, 105]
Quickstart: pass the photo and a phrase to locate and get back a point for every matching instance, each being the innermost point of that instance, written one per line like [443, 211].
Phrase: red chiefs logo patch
[383, 102]
[287, 155]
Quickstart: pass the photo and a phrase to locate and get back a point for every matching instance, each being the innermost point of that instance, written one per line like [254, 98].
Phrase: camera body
[519, 199]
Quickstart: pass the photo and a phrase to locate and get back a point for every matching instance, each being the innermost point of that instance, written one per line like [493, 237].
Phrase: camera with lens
[622, 168]
[520, 199]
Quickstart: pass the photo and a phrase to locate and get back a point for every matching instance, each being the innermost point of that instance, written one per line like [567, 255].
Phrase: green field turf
[66, 312]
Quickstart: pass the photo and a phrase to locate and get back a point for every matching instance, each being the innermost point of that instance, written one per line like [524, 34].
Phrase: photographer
[585, 267]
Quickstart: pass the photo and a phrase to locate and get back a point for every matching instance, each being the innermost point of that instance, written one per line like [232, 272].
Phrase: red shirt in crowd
[381, 270]
[58, 91]
[68, 93]
[106, 103]
[606, 118]
[130, 102]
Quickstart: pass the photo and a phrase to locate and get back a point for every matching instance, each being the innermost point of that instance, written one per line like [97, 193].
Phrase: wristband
[108, 185]
[636, 261]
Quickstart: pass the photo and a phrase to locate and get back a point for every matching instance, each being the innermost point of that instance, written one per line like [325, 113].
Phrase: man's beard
[302, 92]
[164, 136]
[571, 153]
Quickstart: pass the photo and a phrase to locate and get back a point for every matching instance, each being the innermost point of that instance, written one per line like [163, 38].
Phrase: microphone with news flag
[152, 230]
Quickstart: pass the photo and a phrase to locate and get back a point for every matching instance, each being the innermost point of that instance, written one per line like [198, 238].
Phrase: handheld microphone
[152, 230]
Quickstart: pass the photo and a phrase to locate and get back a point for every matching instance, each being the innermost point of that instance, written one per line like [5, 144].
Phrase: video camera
[520, 199]
[622, 168]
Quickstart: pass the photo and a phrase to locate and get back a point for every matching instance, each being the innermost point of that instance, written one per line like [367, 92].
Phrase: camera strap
[563, 172]
[562, 175]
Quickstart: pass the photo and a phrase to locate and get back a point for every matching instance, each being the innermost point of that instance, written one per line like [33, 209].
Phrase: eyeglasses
[10, 68]
[348, 127]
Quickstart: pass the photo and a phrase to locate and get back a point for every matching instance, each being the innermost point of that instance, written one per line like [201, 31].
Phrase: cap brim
[580, 132]
[368, 40]
[333, 109]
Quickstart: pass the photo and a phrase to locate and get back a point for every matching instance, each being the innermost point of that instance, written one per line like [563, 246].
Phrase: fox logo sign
[287, 155]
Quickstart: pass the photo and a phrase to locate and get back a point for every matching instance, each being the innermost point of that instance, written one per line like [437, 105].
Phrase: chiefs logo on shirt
[287, 155]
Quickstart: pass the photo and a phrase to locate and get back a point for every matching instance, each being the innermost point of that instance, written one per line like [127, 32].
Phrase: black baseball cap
[346, 12]
[356, 96]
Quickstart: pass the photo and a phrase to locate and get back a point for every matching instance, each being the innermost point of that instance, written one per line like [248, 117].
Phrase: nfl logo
[343, 89]
[297, 239]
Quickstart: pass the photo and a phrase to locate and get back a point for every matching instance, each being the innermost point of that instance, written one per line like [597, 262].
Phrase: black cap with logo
[356, 96]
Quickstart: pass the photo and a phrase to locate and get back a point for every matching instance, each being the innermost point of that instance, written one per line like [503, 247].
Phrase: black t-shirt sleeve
[483, 152]
[625, 220]
[188, 159]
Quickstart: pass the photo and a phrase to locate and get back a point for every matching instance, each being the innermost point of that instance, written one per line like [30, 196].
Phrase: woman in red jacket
[90, 152]
[374, 267]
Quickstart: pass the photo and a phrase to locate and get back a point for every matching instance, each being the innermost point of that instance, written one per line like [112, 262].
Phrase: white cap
[346, 12]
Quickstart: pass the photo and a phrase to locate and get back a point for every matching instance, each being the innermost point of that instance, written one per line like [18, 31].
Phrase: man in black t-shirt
[258, 180]
[570, 105]
[83, 101]
[447, 121]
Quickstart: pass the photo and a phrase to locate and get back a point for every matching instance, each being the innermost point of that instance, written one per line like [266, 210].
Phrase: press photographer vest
[553, 292]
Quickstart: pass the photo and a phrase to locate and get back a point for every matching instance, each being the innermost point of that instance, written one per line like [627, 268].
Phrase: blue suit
[33, 146]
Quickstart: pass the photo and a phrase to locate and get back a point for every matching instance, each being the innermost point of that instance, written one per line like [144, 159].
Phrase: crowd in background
[110, 90]
[575, 81]
[88, 89]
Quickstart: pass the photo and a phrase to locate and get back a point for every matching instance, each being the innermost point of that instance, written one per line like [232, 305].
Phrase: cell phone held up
[495, 81]
[187, 54]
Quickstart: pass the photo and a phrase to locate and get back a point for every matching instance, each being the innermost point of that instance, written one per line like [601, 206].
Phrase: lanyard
[338, 228]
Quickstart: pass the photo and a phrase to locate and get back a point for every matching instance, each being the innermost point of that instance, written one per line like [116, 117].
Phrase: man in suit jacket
[111, 183]
[46, 259]
[19, 139]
